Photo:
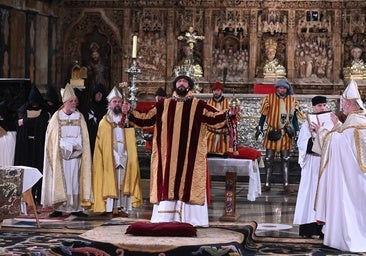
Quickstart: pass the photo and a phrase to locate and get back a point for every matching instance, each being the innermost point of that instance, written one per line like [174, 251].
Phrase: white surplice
[7, 149]
[310, 164]
[120, 157]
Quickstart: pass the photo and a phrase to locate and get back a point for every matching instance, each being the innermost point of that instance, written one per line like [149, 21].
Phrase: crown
[184, 70]
[94, 47]
[270, 43]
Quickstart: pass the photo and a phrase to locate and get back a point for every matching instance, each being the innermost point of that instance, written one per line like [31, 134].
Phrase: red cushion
[161, 229]
[246, 153]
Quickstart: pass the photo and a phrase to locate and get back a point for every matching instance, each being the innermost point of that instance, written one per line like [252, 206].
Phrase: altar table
[30, 177]
[242, 167]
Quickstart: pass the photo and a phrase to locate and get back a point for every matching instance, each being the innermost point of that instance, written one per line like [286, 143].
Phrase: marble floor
[273, 210]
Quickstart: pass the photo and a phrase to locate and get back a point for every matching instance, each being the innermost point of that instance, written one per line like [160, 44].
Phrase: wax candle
[134, 46]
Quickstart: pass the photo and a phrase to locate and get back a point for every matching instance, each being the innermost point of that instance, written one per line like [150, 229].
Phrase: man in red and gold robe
[178, 178]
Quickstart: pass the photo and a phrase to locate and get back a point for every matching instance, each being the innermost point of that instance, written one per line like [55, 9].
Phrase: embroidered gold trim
[360, 140]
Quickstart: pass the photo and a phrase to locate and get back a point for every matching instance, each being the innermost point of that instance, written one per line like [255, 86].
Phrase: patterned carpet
[237, 239]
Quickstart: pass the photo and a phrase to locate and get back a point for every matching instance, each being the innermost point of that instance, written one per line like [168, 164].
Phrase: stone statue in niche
[191, 37]
[190, 63]
[96, 68]
[357, 68]
[272, 67]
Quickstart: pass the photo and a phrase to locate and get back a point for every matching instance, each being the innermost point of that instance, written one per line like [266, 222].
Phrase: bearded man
[218, 139]
[116, 171]
[280, 111]
[67, 160]
[340, 199]
[178, 172]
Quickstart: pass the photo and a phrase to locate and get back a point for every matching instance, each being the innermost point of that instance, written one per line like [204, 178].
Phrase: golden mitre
[270, 43]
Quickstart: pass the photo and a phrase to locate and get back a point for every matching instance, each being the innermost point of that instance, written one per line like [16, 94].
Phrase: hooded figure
[50, 106]
[29, 138]
[51, 99]
[94, 112]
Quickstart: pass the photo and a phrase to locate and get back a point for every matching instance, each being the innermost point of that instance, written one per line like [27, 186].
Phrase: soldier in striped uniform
[218, 139]
[280, 111]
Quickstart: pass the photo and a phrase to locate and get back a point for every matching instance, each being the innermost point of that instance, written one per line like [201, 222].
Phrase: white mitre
[67, 93]
[113, 94]
[352, 93]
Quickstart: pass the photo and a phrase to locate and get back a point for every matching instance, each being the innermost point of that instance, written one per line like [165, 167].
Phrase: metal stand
[133, 71]
[230, 198]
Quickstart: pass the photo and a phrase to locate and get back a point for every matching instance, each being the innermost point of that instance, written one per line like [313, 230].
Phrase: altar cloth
[242, 167]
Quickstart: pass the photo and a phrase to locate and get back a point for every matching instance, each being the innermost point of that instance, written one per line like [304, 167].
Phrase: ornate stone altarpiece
[313, 38]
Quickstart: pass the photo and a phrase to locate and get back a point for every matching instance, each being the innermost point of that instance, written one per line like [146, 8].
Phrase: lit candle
[134, 47]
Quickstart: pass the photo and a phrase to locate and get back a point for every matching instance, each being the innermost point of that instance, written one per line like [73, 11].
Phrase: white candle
[134, 47]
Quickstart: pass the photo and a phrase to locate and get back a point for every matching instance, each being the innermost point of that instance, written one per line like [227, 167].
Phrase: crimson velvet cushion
[161, 229]
[245, 153]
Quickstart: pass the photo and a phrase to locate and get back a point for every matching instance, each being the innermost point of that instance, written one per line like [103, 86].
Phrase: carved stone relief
[313, 59]
[235, 33]
[272, 21]
[152, 56]
[230, 54]
[314, 54]
[190, 17]
[151, 50]
[354, 56]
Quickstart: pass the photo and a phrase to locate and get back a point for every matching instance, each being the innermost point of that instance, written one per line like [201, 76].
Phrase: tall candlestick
[134, 47]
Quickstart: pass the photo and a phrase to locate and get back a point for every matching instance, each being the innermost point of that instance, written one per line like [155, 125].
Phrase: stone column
[127, 43]
[253, 44]
[207, 46]
[337, 46]
[290, 45]
[171, 47]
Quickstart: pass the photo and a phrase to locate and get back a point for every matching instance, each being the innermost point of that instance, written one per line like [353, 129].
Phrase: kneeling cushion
[246, 153]
[161, 229]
